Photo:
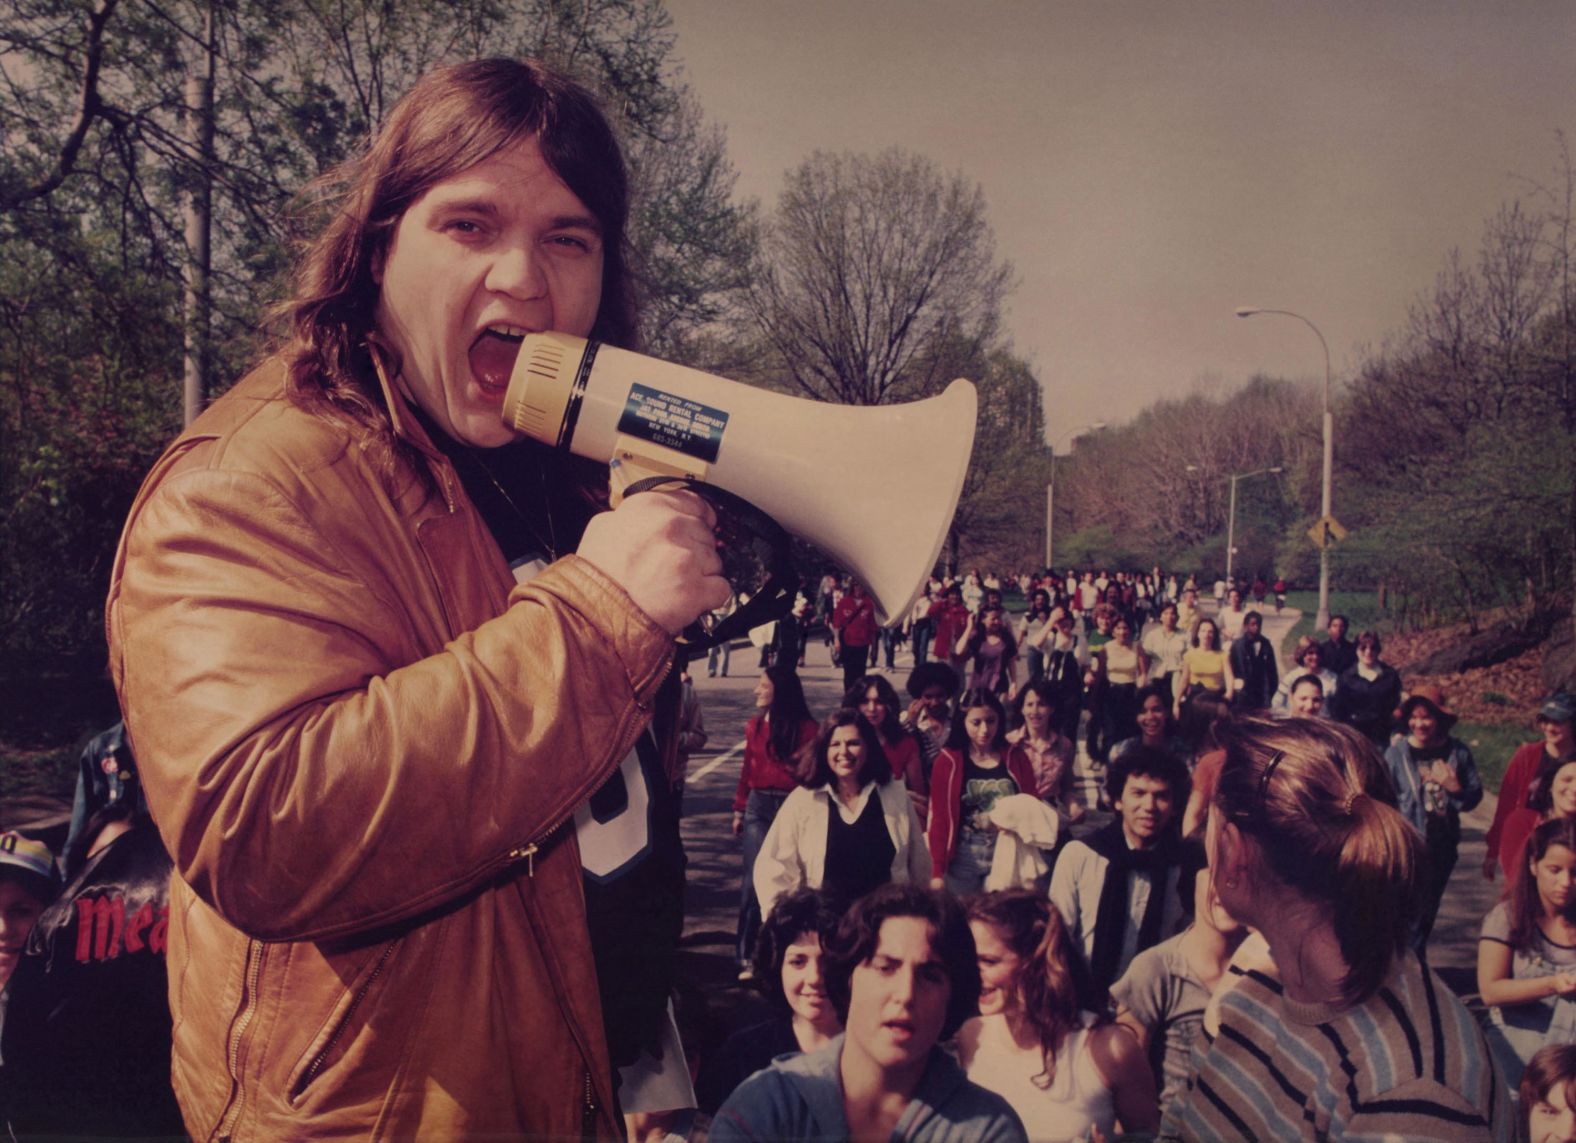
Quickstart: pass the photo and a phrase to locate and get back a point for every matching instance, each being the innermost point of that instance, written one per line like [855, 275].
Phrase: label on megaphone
[673, 422]
[874, 487]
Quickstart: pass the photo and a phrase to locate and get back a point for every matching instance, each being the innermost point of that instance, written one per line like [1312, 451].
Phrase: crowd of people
[387, 845]
[1046, 960]
[1128, 970]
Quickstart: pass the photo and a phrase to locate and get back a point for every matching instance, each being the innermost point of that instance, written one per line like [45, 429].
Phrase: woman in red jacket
[977, 768]
[1514, 818]
[776, 739]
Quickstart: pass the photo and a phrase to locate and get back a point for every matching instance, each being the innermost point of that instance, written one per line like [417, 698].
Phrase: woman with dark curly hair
[877, 703]
[790, 969]
[849, 829]
[1049, 751]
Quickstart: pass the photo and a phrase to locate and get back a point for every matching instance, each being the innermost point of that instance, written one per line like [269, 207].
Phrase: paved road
[706, 966]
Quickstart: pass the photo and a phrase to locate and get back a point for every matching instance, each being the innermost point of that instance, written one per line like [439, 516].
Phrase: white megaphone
[873, 486]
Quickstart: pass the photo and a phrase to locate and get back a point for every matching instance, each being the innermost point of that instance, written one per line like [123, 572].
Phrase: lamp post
[1050, 490]
[1231, 519]
[1322, 619]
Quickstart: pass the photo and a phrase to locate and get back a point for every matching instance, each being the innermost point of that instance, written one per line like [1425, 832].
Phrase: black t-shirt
[858, 853]
[533, 501]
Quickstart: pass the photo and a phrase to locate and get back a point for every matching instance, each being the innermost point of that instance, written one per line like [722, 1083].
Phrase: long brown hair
[1046, 987]
[1526, 908]
[452, 119]
[1316, 799]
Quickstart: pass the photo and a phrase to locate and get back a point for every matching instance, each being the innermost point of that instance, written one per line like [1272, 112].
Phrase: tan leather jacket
[362, 743]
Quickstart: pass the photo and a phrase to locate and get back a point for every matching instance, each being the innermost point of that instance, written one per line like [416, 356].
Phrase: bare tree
[872, 270]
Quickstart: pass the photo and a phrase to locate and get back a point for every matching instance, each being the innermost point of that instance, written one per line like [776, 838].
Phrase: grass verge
[1492, 744]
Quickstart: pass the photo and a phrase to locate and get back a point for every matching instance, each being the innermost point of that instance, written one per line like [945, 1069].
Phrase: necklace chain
[550, 541]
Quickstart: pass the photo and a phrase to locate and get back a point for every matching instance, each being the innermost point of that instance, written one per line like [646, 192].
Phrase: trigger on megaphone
[798, 461]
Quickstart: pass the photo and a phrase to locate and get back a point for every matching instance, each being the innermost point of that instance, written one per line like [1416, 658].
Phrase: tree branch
[90, 107]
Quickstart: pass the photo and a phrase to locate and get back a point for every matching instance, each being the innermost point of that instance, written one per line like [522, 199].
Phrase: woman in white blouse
[851, 829]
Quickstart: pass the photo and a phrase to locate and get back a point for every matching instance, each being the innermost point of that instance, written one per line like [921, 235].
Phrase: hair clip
[1264, 779]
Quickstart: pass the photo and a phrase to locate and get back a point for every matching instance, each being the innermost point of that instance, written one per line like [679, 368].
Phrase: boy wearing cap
[28, 882]
[1436, 781]
[1514, 817]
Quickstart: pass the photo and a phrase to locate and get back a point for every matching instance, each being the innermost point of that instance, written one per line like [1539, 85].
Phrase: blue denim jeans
[890, 638]
[760, 809]
[971, 862]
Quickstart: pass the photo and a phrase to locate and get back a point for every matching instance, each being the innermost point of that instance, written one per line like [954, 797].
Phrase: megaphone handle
[772, 600]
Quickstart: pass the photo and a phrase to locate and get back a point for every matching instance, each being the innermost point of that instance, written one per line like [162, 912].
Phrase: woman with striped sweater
[1351, 1035]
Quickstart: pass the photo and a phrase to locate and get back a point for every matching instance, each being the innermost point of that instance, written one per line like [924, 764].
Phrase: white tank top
[1076, 1100]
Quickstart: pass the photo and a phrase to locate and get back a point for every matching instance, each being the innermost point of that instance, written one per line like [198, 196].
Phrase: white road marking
[714, 763]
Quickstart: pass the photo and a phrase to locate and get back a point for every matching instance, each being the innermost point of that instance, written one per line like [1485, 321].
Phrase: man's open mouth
[492, 355]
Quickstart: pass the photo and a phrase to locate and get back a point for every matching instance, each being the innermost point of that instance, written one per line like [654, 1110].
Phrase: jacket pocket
[346, 1021]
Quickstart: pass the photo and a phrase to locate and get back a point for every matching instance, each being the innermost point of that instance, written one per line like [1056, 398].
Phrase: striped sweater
[1408, 1063]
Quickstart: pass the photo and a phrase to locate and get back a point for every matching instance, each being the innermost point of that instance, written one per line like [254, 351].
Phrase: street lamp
[1231, 518]
[1050, 489]
[1322, 619]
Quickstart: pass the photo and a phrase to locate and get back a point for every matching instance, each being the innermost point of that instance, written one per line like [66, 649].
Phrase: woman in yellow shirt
[1205, 666]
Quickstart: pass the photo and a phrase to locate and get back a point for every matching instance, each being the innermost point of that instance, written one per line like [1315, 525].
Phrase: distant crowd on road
[1152, 955]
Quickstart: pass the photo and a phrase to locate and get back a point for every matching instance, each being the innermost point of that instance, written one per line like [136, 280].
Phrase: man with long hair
[377, 655]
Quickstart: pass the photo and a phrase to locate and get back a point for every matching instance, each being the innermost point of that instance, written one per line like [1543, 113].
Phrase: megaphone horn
[873, 486]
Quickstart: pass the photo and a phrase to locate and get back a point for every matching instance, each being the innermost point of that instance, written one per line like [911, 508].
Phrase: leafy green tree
[1462, 434]
[148, 155]
[1000, 518]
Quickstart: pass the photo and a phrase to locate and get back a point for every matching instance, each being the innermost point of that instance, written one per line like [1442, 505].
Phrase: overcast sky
[1151, 166]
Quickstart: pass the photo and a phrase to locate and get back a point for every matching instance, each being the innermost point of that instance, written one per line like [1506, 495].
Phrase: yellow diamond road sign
[1326, 531]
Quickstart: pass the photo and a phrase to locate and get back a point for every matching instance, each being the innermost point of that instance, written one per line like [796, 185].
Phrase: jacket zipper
[254, 971]
[318, 1060]
[448, 488]
[527, 853]
[588, 1113]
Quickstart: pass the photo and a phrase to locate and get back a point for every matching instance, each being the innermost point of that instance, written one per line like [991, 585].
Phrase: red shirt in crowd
[855, 618]
[762, 769]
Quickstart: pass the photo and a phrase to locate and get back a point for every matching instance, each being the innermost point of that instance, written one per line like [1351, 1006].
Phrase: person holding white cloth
[851, 829]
